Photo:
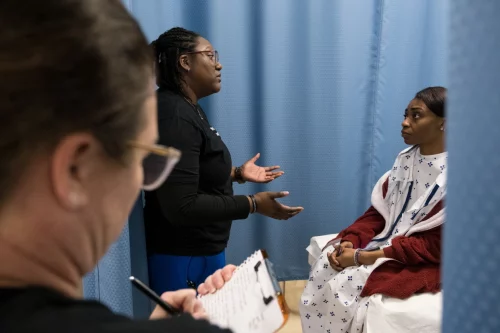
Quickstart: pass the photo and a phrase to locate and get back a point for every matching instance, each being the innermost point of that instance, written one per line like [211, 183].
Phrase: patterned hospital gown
[331, 301]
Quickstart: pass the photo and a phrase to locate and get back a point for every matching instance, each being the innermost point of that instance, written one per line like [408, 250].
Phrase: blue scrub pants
[170, 273]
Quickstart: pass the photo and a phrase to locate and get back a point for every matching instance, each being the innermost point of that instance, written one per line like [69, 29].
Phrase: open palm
[257, 174]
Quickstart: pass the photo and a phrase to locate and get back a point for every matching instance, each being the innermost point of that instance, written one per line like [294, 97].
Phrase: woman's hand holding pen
[184, 300]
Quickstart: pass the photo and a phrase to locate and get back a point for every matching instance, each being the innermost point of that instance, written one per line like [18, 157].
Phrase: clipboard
[252, 301]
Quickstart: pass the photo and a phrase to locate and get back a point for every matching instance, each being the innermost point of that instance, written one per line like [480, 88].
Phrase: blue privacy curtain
[109, 282]
[318, 87]
[471, 245]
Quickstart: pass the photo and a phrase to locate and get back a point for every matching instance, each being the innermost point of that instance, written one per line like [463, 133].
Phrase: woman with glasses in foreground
[188, 219]
[78, 126]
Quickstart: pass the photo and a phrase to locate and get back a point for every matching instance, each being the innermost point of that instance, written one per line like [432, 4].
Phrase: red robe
[417, 269]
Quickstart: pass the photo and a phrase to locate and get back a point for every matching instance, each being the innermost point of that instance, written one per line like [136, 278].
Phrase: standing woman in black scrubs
[188, 219]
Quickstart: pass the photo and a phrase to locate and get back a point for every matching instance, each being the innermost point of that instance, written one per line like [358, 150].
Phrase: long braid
[168, 48]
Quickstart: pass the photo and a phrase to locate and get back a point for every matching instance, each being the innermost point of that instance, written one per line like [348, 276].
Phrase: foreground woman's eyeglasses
[158, 164]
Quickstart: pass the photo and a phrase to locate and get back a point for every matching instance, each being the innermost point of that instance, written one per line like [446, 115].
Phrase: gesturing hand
[268, 206]
[257, 174]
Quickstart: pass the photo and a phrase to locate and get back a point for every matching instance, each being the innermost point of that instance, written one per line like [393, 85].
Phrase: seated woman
[394, 249]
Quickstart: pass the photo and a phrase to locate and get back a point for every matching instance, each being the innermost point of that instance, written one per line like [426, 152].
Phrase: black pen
[153, 296]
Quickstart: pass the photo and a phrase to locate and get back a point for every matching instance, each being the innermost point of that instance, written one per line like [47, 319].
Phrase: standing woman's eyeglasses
[158, 164]
[213, 55]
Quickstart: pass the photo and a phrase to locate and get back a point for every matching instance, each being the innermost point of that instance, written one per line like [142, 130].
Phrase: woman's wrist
[369, 257]
[232, 174]
[236, 175]
[253, 203]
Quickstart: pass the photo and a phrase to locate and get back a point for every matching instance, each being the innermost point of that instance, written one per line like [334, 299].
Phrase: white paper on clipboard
[251, 301]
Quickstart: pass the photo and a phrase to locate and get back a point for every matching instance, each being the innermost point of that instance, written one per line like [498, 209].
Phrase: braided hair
[167, 49]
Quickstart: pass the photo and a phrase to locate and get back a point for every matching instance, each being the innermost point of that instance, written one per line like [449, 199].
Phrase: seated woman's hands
[346, 257]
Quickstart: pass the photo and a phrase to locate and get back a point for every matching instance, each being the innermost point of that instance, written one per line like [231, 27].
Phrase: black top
[37, 310]
[191, 213]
